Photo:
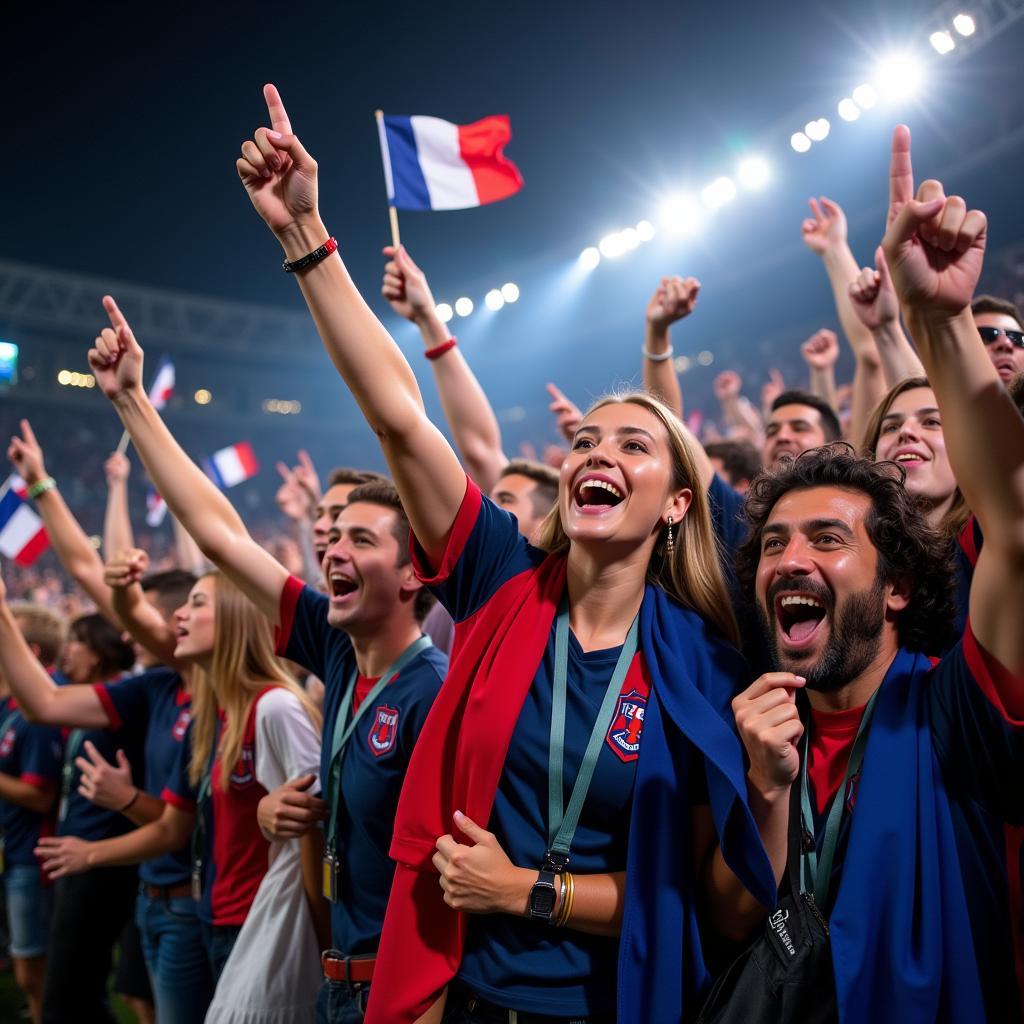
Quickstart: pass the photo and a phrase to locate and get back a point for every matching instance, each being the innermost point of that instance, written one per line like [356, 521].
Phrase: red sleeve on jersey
[39, 781]
[993, 679]
[170, 797]
[968, 542]
[290, 594]
[465, 520]
[100, 689]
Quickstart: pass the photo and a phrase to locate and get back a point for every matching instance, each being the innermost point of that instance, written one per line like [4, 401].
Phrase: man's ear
[900, 593]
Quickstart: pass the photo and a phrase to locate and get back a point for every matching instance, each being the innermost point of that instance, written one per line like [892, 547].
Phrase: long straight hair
[243, 664]
[693, 574]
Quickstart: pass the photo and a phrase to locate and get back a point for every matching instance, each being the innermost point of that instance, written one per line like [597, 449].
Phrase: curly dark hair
[908, 549]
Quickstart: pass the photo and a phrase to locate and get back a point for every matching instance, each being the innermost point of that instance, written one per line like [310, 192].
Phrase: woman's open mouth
[596, 495]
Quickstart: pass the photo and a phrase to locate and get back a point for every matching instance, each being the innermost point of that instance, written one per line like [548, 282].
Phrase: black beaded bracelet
[325, 250]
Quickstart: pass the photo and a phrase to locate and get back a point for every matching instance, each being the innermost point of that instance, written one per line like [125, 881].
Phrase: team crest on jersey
[181, 725]
[245, 768]
[383, 731]
[7, 743]
[624, 733]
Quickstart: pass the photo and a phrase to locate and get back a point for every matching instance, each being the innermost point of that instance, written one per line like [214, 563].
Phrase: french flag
[231, 465]
[430, 164]
[156, 508]
[162, 388]
[22, 534]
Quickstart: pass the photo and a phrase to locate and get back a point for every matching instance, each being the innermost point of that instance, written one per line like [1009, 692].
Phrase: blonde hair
[244, 663]
[41, 626]
[693, 574]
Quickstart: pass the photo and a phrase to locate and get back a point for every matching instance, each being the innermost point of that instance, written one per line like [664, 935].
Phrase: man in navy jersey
[907, 768]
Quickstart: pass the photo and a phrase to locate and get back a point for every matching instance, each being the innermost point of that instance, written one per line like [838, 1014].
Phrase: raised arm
[116, 361]
[122, 574]
[70, 543]
[117, 524]
[935, 247]
[469, 414]
[739, 415]
[821, 353]
[673, 299]
[281, 180]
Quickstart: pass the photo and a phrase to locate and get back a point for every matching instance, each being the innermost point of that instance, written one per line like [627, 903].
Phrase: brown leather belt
[168, 892]
[349, 969]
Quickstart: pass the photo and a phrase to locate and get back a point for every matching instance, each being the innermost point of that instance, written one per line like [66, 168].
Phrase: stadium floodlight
[817, 131]
[848, 109]
[494, 300]
[629, 239]
[680, 214]
[942, 42]
[964, 24]
[611, 246]
[510, 291]
[645, 231]
[464, 306]
[705, 358]
[444, 312]
[865, 96]
[202, 397]
[590, 257]
[898, 77]
[753, 172]
[718, 193]
[800, 142]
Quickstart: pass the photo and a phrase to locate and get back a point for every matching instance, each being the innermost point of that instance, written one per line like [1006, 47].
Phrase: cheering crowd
[659, 729]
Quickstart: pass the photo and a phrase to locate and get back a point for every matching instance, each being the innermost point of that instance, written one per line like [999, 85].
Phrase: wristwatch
[542, 896]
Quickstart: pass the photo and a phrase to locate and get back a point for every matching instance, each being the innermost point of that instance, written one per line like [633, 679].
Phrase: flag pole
[122, 445]
[396, 237]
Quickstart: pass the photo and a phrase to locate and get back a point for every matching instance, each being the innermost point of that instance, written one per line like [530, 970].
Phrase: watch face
[542, 899]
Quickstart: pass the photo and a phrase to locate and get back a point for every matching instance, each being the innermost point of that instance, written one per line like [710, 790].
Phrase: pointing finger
[117, 318]
[275, 108]
[901, 173]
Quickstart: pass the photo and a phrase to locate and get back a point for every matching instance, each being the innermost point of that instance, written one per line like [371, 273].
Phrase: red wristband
[439, 350]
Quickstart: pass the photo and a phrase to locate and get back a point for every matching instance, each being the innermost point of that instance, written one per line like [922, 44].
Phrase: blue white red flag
[22, 534]
[430, 164]
[162, 387]
[156, 508]
[231, 465]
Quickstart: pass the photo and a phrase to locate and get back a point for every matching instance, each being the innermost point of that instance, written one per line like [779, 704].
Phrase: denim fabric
[340, 1003]
[29, 905]
[219, 940]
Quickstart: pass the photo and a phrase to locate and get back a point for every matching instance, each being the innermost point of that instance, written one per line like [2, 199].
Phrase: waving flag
[162, 387]
[156, 508]
[430, 164]
[22, 534]
[231, 465]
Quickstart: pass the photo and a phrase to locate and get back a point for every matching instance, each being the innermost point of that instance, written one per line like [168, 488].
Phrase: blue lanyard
[67, 773]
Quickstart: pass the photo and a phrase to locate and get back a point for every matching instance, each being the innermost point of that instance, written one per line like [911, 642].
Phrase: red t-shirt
[831, 741]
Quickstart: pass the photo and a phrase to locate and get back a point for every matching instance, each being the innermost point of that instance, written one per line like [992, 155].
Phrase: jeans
[219, 940]
[172, 943]
[29, 906]
[341, 1003]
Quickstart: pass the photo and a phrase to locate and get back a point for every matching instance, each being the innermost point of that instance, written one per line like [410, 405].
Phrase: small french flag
[156, 508]
[430, 164]
[231, 465]
[162, 388]
[22, 534]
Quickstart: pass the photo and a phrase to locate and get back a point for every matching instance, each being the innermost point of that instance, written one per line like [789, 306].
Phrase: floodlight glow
[611, 246]
[942, 42]
[800, 142]
[705, 358]
[718, 193]
[865, 96]
[202, 397]
[753, 172]
[590, 257]
[680, 214]
[817, 131]
[510, 292]
[494, 299]
[848, 109]
[964, 24]
[629, 239]
[898, 77]
[463, 306]
[645, 231]
[444, 312]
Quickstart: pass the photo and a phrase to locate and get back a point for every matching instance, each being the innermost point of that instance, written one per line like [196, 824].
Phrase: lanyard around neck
[343, 732]
[816, 868]
[75, 739]
[562, 825]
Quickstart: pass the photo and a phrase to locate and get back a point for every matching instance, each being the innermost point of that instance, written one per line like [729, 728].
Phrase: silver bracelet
[656, 357]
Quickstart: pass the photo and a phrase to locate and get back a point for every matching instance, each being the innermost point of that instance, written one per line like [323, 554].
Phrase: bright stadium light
[718, 193]
[645, 231]
[444, 312]
[800, 142]
[464, 306]
[629, 239]
[590, 257]
[753, 172]
[898, 77]
[202, 397]
[510, 292]
[865, 96]
[494, 299]
[611, 246]
[680, 214]
[817, 131]
[848, 109]
[964, 24]
[942, 42]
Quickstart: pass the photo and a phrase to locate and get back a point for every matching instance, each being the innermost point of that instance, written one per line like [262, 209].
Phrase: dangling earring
[670, 541]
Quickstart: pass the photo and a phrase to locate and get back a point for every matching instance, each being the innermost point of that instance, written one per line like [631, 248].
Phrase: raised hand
[826, 228]
[771, 389]
[872, 295]
[126, 568]
[567, 413]
[292, 498]
[405, 286]
[117, 467]
[727, 385]
[933, 244]
[116, 357]
[307, 477]
[26, 455]
[673, 299]
[821, 350]
[102, 783]
[769, 726]
[277, 172]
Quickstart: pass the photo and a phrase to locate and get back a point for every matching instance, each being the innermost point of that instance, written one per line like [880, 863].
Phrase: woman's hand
[26, 455]
[480, 879]
[104, 784]
[126, 568]
[63, 855]
[116, 357]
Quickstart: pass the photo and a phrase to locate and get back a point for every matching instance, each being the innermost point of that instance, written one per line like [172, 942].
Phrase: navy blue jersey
[516, 962]
[726, 504]
[33, 754]
[156, 703]
[374, 761]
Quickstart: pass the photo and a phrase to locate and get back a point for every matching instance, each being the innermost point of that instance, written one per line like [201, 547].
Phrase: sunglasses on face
[989, 335]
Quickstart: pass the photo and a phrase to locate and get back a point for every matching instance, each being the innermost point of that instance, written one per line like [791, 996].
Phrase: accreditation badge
[330, 877]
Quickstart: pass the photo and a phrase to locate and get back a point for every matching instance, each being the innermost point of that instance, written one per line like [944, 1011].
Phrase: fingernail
[275, 136]
[265, 173]
[458, 815]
